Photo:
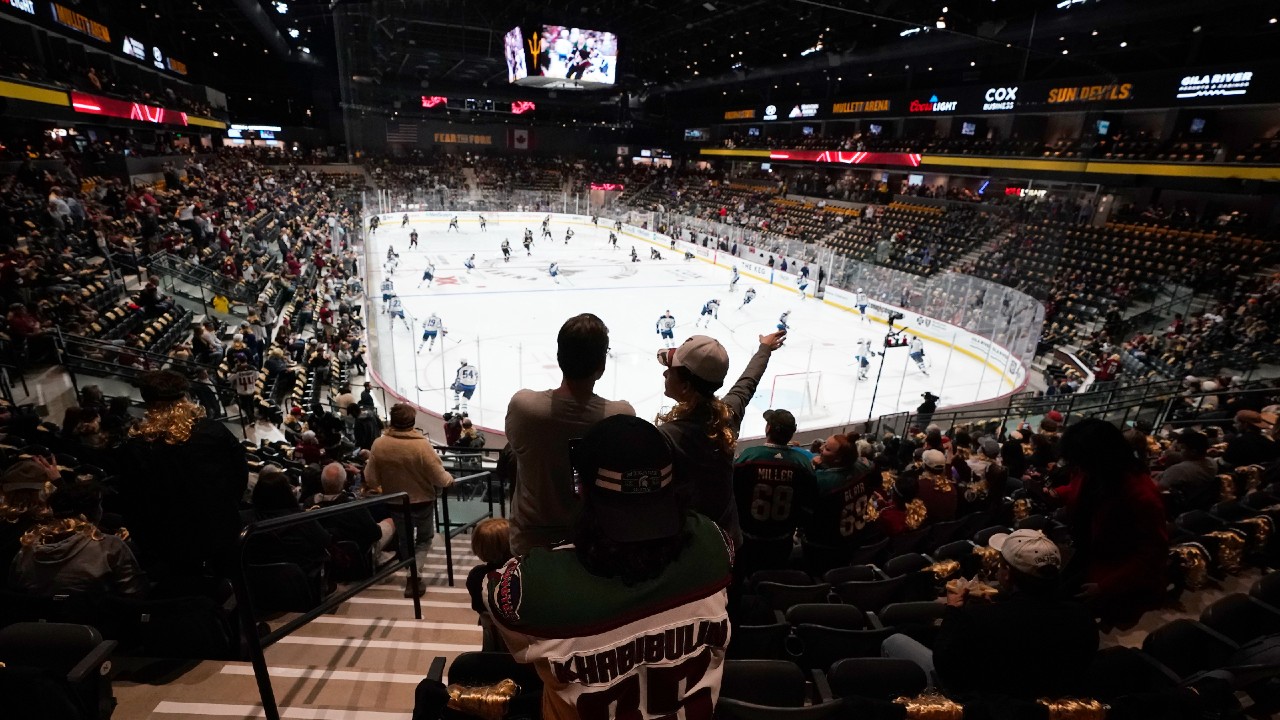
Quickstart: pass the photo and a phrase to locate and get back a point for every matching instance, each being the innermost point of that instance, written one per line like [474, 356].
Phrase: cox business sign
[26, 6]
[1001, 98]
[933, 105]
[1232, 83]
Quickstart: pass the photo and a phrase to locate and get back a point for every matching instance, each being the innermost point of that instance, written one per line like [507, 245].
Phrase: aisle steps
[362, 661]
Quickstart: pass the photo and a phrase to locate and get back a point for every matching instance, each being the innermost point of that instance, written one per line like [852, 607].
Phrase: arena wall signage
[81, 24]
[176, 65]
[462, 139]
[804, 110]
[134, 48]
[932, 105]
[999, 98]
[1215, 85]
[857, 107]
[770, 112]
[26, 6]
[740, 114]
[1090, 93]
[95, 105]
[847, 158]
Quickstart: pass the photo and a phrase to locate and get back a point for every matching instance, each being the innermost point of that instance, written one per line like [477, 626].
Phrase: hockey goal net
[801, 393]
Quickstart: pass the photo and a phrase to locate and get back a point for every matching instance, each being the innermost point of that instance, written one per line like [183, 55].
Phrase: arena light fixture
[281, 7]
[294, 33]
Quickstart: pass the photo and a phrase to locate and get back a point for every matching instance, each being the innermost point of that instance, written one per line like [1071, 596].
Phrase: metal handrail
[449, 530]
[244, 600]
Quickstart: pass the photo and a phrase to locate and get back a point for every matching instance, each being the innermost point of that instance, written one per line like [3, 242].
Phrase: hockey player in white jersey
[733, 283]
[782, 321]
[554, 272]
[470, 263]
[464, 386]
[388, 290]
[568, 233]
[748, 297]
[710, 311]
[863, 354]
[428, 275]
[802, 284]
[506, 250]
[431, 328]
[484, 226]
[666, 328]
[860, 300]
[915, 351]
[396, 310]
[453, 224]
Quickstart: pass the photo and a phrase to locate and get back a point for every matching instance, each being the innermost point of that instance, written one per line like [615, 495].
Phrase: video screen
[1104, 127]
[697, 134]
[513, 49]
[575, 54]
[1197, 126]
[968, 128]
[874, 129]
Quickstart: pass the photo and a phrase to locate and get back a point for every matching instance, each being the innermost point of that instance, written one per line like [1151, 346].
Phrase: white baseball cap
[704, 356]
[1027, 551]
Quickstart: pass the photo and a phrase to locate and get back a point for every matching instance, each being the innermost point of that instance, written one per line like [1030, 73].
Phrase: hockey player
[618, 226]
[863, 354]
[710, 311]
[595, 219]
[404, 222]
[782, 321]
[388, 289]
[733, 284]
[430, 329]
[654, 254]
[413, 238]
[748, 297]
[634, 256]
[506, 250]
[464, 386]
[373, 223]
[484, 227]
[470, 263]
[666, 328]
[528, 241]
[860, 300]
[915, 351]
[554, 272]
[568, 233]
[802, 284]
[613, 239]
[428, 275]
[453, 224]
[396, 310]
[546, 226]
[688, 255]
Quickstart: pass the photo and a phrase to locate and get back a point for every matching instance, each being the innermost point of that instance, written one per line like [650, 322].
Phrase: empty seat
[759, 642]
[822, 646]
[1242, 618]
[871, 595]
[778, 683]
[1187, 647]
[844, 617]
[906, 564]
[852, 572]
[780, 596]
[876, 677]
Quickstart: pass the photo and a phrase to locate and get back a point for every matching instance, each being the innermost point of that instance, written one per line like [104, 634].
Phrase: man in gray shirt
[1196, 472]
[540, 426]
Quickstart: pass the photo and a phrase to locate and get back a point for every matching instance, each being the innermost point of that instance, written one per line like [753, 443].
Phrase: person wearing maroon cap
[702, 428]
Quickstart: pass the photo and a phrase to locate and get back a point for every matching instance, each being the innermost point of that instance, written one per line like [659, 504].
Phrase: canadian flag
[519, 138]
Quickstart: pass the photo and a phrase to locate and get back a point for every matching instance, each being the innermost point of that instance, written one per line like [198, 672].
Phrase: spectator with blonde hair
[491, 542]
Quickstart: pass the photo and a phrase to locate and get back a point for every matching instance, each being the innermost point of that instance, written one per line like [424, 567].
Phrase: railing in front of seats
[244, 601]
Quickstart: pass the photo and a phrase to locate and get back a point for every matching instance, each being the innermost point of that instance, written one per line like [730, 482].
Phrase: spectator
[402, 460]
[776, 490]
[355, 526]
[452, 428]
[899, 510]
[68, 554]
[541, 424]
[473, 439]
[182, 480]
[491, 542]
[643, 568]
[22, 502]
[368, 426]
[305, 545]
[1117, 524]
[366, 395]
[1053, 640]
[842, 517]
[702, 428]
[1251, 445]
[937, 490]
[266, 428]
[1192, 479]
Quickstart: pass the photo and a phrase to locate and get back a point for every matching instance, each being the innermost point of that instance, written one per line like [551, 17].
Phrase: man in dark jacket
[1027, 644]
[367, 426]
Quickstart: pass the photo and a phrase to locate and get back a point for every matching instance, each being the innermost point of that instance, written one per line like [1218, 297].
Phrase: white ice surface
[503, 317]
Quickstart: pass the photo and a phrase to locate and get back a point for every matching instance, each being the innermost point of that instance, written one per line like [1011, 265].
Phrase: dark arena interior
[327, 338]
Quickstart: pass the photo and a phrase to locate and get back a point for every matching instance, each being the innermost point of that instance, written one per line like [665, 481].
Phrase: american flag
[402, 132]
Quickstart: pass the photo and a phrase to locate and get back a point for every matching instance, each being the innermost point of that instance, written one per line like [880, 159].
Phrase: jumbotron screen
[513, 50]
[568, 57]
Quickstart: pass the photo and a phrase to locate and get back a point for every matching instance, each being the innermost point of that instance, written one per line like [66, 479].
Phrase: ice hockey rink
[503, 318]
